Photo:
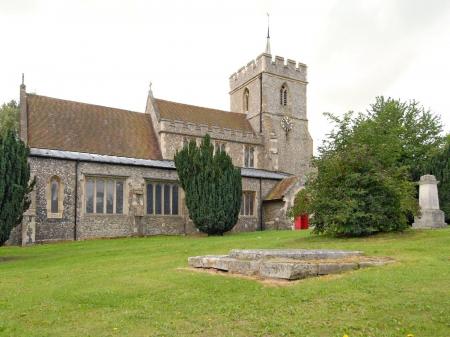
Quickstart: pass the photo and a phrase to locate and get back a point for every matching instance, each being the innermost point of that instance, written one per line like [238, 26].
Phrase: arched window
[246, 99]
[54, 188]
[55, 196]
[283, 95]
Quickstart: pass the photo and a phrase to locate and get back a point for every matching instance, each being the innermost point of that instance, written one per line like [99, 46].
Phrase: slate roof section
[73, 126]
[280, 189]
[163, 164]
[200, 115]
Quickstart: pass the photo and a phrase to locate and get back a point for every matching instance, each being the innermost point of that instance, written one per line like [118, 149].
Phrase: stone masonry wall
[48, 229]
[287, 152]
[274, 215]
[173, 142]
[117, 225]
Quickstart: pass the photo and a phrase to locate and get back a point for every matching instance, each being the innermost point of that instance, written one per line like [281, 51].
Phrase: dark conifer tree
[14, 183]
[212, 185]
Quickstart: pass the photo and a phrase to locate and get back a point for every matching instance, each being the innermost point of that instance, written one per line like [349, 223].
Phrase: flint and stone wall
[73, 177]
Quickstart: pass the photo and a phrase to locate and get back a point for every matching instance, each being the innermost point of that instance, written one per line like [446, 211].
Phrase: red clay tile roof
[200, 115]
[281, 188]
[73, 126]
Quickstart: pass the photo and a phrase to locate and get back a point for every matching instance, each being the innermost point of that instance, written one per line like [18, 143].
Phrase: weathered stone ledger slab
[291, 264]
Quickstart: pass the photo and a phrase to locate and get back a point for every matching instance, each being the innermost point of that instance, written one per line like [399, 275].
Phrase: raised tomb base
[430, 218]
[286, 264]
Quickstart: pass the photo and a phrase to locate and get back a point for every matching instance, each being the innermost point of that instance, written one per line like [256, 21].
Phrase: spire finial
[268, 36]
[22, 86]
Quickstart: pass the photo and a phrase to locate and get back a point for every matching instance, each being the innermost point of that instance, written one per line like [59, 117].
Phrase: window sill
[104, 214]
[54, 215]
[163, 215]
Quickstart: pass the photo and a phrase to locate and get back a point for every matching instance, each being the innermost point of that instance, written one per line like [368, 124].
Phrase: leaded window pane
[119, 197]
[109, 196]
[149, 198]
[89, 196]
[54, 195]
[166, 199]
[100, 196]
[175, 199]
[158, 199]
[246, 156]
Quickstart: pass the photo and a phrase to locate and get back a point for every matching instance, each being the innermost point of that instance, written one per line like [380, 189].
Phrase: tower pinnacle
[268, 37]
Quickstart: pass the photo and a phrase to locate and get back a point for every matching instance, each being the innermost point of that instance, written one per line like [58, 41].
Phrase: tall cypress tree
[14, 183]
[212, 185]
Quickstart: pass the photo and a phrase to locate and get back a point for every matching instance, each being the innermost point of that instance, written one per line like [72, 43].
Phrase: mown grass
[135, 287]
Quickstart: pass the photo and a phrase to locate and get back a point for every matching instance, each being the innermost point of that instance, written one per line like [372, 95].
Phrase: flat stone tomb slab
[286, 264]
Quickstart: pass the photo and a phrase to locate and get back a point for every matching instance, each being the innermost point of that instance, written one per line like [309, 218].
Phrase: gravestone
[286, 264]
[430, 214]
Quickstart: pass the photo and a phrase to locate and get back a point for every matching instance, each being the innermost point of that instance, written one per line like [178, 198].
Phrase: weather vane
[268, 37]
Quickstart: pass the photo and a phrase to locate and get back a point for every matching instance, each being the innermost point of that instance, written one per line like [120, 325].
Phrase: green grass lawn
[136, 287]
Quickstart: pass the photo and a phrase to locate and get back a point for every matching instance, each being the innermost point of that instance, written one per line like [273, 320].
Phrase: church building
[107, 172]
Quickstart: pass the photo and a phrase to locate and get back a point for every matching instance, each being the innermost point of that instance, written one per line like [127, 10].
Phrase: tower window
[246, 99]
[283, 95]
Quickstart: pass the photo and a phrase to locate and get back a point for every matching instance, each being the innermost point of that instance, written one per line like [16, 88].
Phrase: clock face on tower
[286, 124]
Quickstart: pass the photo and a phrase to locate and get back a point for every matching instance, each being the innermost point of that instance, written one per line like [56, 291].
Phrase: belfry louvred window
[246, 99]
[283, 95]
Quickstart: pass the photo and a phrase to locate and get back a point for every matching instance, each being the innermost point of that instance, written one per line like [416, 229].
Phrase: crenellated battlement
[265, 63]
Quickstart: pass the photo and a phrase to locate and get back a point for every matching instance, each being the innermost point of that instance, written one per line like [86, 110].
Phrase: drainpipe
[76, 203]
[260, 206]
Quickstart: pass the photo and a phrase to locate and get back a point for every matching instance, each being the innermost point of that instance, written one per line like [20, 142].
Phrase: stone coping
[304, 254]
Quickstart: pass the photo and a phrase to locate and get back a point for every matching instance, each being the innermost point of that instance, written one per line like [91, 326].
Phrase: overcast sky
[107, 52]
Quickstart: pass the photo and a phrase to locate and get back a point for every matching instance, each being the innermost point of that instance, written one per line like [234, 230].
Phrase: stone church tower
[272, 93]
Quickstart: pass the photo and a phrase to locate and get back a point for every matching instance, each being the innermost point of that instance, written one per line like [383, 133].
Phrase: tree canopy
[212, 186]
[439, 166]
[367, 166]
[9, 117]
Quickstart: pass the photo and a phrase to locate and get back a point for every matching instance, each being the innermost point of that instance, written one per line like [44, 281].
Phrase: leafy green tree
[367, 166]
[354, 195]
[9, 117]
[399, 133]
[14, 183]
[439, 166]
[212, 185]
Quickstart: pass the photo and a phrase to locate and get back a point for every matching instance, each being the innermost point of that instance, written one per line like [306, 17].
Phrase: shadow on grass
[6, 259]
